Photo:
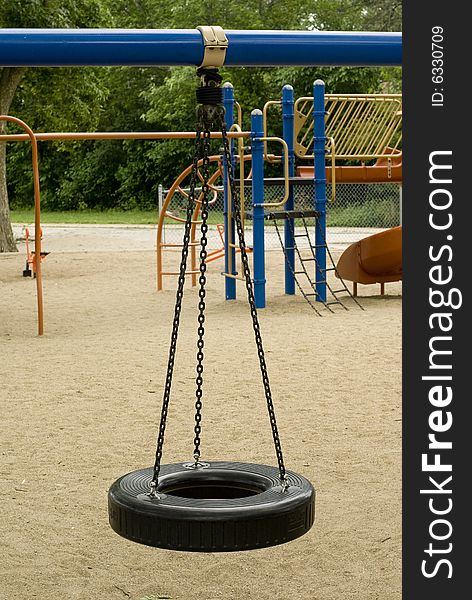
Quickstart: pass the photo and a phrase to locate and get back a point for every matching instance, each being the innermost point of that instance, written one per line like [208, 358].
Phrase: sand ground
[80, 407]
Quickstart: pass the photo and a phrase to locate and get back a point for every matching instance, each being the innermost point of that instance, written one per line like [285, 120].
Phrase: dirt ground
[80, 407]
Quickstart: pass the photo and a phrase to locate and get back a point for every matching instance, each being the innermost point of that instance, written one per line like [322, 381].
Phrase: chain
[209, 116]
[177, 311]
[253, 309]
[202, 292]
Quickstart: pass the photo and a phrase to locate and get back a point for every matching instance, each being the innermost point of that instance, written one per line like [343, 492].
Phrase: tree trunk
[10, 78]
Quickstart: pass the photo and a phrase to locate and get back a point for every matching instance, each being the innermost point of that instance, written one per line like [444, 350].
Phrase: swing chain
[252, 306]
[210, 115]
[177, 313]
[207, 116]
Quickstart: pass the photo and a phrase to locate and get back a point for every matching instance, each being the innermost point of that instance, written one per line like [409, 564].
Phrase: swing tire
[226, 507]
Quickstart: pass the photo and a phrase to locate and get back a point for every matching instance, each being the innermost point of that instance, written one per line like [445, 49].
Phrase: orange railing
[30, 135]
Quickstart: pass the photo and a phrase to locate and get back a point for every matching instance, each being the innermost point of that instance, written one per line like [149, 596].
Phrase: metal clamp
[215, 43]
[153, 491]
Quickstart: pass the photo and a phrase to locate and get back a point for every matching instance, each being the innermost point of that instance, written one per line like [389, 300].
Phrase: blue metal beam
[180, 47]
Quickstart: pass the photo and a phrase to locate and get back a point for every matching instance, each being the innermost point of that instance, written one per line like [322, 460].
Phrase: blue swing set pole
[185, 47]
[319, 150]
[230, 252]
[257, 146]
[289, 226]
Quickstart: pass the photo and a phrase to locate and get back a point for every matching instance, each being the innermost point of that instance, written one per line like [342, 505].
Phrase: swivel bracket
[215, 43]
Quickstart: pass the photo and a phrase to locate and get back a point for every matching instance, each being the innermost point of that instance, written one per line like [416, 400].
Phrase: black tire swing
[211, 506]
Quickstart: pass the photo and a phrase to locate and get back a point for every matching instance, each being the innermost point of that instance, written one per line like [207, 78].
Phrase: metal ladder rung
[238, 248]
[335, 302]
[339, 291]
[316, 246]
[329, 269]
[307, 259]
[231, 276]
[313, 283]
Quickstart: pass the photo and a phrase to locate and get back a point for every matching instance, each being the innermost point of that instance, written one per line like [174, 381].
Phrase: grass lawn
[370, 213]
[95, 217]
[88, 217]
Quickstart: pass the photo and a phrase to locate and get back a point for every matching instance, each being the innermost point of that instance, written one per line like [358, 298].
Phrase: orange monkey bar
[118, 135]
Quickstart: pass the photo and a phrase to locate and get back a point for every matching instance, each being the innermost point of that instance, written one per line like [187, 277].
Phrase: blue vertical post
[288, 135]
[230, 252]
[257, 145]
[319, 150]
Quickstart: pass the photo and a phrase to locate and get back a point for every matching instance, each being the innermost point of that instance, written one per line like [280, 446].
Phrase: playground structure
[358, 129]
[361, 128]
[30, 47]
[148, 508]
[375, 259]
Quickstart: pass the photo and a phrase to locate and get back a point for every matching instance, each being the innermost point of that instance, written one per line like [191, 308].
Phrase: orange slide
[375, 259]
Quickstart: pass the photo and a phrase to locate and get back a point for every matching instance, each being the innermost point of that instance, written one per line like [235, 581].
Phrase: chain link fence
[356, 207]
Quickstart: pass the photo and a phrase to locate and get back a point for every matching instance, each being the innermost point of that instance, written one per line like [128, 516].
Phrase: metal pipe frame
[118, 135]
[319, 151]
[267, 105]
[230, 250]
[288, 117]
[284, 198]
[257, 146]
[186, 47]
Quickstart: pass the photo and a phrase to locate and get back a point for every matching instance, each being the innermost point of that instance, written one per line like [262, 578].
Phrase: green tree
[126, 174]
[105, 174]
[42, 13]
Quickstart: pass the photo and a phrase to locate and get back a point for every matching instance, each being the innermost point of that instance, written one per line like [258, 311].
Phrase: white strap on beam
[215, 43]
